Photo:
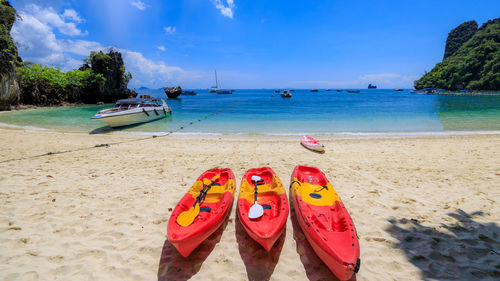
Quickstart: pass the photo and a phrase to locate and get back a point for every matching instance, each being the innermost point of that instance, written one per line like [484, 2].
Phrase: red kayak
[213, 210]
[312, 144]
[325, 221]
[271, 196]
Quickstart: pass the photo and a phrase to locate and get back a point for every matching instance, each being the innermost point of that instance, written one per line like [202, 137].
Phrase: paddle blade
[256, 211]
[256, 178]
[187, 217]
[207, 181]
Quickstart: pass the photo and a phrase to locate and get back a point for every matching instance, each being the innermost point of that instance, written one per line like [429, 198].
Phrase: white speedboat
[133, 111]
[286, 94]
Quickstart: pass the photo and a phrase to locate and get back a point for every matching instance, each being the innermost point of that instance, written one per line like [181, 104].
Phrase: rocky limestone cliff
[173, 92]
[111, 67]
[458, 36]
[475, 65]
[9, 87]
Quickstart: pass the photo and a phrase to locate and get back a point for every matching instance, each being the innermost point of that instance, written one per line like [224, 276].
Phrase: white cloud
[147, 72]
[169, 29]
[81, 47]
[71, 15]
[48, 16]
[227, 9]
[382, 80]
[37, 42]
[161, 48]
[389, 79]
[138, 4]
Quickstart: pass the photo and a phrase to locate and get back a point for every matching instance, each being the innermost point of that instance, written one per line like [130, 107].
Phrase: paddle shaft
[255, 193]
[203, 192]
[256, 184]
[187, 217]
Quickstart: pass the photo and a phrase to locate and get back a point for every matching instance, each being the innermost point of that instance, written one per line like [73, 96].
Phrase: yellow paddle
[187, 217]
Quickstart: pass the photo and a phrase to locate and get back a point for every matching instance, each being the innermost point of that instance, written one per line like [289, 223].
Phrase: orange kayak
[325, 221]
[214, 209]
[271, 195]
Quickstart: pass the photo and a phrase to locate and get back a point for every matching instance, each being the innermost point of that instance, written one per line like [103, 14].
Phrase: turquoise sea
[265, 112]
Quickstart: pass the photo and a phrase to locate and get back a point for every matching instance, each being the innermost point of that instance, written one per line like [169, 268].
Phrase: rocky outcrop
[475, 65]
[111, 67]
[458, 36]
[9, 87]
[173, 92]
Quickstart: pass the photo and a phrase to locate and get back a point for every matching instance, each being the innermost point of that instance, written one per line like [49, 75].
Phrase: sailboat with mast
[215, 89]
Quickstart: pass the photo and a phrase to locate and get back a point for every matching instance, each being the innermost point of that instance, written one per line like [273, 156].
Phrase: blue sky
[252, 44]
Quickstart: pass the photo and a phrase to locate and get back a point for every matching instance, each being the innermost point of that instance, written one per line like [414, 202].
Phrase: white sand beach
[423, 206]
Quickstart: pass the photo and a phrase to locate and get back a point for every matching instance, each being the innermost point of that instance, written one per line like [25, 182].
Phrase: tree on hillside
[458, 36]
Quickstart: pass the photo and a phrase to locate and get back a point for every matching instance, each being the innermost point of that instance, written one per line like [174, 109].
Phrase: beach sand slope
[424, 207]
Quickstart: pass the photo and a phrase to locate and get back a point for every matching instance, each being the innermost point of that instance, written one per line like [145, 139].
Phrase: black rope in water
[120, 142]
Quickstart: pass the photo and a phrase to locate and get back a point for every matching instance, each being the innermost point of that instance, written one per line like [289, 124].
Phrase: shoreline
[333, 135]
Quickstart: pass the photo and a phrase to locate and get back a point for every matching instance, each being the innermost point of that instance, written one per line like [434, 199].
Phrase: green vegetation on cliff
[7, 47]
[53, 77]
[101, 78]
[458, 36]
[475, 65]
[9, 88]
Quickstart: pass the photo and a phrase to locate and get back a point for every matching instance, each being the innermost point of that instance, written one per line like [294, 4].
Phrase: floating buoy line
[120, 142]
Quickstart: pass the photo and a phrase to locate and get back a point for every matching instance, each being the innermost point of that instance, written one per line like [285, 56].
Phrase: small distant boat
[133, 111]
[277, 91]
[312, 144]
[224, 92]
[398, 90]
[353, 91]
[286, 94]
[328, 90]
[188, 93]
[427, 91]
[370, 86]
[314, 90]
[214, 89]
[339, 91]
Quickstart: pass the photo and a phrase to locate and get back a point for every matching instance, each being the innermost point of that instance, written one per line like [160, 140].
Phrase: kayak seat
[205, 209]
[266, 207]
[323, 221]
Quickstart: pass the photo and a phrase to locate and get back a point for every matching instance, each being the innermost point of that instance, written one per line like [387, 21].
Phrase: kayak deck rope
[121, 142]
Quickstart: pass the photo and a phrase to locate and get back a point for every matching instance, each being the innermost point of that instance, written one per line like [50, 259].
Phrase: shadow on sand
[317, 152]
[108, 129]
[314, 266]
[259, 263]
[462, 250]
[173, 266]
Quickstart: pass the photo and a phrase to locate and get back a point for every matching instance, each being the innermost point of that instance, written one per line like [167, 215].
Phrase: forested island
[101, 78]
[471, 59]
